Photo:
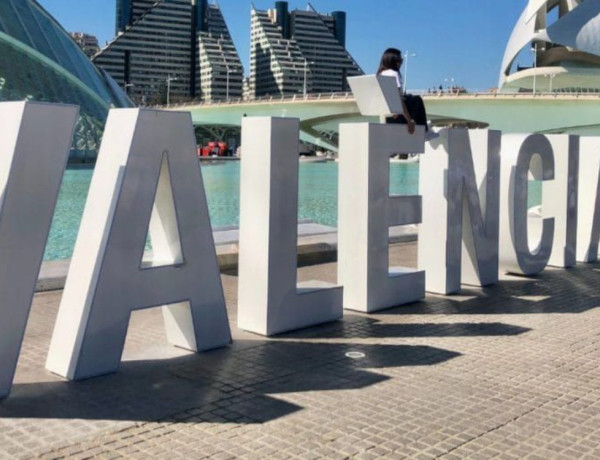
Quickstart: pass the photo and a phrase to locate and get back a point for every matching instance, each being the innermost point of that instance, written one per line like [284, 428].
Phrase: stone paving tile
[508, 371]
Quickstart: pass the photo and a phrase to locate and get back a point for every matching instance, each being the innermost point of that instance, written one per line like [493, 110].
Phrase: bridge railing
[580, 92]
[268, 99]
[576, 92]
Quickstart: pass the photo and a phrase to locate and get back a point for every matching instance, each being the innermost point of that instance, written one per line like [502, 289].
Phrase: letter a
[147, 171]
[34, 147]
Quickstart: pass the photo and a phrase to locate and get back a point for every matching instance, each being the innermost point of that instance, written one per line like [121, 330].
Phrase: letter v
[34, 148]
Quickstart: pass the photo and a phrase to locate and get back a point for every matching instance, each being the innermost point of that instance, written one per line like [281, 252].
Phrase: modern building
[87, 43]
[298, 52]
[561, 40]
[39, 61]
[219, 73]
[172, 50]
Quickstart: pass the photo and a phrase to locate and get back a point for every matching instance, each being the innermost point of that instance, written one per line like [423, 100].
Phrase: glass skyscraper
[172, 51]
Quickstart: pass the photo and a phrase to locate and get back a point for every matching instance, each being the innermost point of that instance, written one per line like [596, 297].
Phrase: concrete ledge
[317, 244]
[52, 275]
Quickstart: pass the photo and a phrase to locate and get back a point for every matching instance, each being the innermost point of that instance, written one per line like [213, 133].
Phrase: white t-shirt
[393, 73]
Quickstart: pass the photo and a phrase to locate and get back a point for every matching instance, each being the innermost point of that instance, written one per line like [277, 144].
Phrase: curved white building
[562, 38]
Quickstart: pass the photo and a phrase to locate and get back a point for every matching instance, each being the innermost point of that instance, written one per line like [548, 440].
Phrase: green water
[317, 197]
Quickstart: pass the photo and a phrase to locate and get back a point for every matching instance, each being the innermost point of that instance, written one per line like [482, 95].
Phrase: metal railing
[572, 92]
[270, 99]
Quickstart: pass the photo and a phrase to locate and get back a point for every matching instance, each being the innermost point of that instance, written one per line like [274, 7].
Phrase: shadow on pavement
[231, 384]
[369, 327]
[553, 291]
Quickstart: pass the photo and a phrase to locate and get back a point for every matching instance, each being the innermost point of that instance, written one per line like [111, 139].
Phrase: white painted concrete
[35, 141]
[560, 199]
[460, 185]
[522, 155]
[588, 212]
[269, 299]
[366, 211]
[147, 176]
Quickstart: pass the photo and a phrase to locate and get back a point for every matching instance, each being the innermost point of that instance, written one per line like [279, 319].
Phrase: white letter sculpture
[269, 301]
[560, 199]
[34, 148]
[367, 211]
[147, 171]
[588, 224]
[520, 154]
[460, 184]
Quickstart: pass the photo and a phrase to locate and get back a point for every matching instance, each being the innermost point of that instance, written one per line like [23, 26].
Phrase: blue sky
[462, 40]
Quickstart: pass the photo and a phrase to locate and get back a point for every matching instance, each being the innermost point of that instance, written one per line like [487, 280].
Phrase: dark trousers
[416, 108]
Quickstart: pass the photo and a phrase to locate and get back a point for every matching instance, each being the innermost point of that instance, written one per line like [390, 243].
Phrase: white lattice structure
[564, 38]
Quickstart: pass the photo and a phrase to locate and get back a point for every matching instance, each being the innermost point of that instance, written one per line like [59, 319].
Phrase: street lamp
[534, 51]
[551, 77]
[450, 84]
[127, 86]
[406, 56]
[169, 80]
[305, 72]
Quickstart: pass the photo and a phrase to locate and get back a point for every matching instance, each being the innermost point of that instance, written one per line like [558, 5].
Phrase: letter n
[34, 147]
[147, 176]
[460, 184]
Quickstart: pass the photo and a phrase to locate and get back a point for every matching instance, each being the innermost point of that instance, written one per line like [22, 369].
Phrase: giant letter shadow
[236, 380]
[553, 291]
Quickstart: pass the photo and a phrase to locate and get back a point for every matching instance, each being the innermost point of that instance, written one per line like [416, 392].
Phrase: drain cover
[355, 355]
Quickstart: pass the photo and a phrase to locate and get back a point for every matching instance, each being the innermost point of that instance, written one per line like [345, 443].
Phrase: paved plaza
[509, 371]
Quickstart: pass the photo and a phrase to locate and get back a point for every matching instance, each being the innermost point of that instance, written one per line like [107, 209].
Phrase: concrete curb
[312, 250]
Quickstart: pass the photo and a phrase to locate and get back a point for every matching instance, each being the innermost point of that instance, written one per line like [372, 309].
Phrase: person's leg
[421, 113]
[399, 120]
[416, 107]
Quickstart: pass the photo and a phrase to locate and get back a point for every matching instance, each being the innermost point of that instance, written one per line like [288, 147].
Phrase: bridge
[321, 114]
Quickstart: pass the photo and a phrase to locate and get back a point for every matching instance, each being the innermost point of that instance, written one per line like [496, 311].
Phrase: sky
[459, 41]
